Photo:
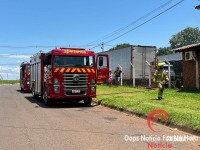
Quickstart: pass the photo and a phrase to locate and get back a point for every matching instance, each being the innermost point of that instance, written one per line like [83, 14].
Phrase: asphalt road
[26, 124]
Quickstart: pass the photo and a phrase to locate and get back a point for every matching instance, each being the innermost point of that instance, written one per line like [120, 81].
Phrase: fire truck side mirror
[45, 60]
[100, 61]
[23, 68]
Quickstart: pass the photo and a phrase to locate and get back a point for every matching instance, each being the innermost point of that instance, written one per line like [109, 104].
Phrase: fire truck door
[102, 65]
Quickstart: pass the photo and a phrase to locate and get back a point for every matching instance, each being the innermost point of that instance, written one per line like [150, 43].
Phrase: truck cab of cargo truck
[72, 74]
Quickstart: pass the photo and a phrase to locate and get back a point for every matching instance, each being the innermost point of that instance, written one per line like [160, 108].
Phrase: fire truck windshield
[73, 61]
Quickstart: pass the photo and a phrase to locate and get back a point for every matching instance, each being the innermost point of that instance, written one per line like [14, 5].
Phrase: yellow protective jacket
[160, 76]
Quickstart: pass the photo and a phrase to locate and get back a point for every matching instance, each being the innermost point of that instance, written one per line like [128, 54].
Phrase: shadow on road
[19, 91]
[59, 104]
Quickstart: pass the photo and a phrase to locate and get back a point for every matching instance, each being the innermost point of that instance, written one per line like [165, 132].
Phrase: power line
[141, 23]
[134, 22]
[107, 36]
[146, 21]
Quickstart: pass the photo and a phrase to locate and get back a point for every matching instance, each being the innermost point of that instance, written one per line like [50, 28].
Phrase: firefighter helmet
[160, 65]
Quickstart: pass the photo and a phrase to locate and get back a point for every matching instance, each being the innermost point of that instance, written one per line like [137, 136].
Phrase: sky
[29, 26]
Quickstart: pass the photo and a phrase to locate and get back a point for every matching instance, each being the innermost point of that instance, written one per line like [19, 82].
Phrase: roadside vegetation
[182, 105]
[9, 81]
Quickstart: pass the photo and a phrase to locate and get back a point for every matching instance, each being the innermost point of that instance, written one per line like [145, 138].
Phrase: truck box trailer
[137, 56]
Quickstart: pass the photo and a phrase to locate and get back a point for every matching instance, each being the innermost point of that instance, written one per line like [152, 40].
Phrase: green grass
[9, 81]
[182, 105]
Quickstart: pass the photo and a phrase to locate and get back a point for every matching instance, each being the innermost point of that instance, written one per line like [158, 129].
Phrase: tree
[164, 51]
[185, 37]
[198, 7]
[120, 46]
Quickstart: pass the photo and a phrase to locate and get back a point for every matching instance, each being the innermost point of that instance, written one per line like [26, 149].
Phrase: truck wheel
[47, 101]
[88, 101]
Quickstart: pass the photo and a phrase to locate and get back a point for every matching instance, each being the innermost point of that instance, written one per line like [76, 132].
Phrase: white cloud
[6, 69]
[10, 72]
[10, 65]
[15, 56]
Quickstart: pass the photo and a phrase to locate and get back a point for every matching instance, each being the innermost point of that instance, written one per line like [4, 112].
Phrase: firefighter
[160, 77]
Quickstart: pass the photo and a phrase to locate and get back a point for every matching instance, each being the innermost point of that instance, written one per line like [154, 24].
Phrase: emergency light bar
[64, 48]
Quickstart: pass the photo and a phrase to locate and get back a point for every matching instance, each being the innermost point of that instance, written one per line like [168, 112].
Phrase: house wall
[189, 71]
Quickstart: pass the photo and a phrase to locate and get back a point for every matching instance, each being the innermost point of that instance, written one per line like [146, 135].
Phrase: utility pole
[1, 78]
[102, 47]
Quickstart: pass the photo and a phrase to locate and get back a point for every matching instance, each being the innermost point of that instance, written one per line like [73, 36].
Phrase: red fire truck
[25, 76]
[67, 74]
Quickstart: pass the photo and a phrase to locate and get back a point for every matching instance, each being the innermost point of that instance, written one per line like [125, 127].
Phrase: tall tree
[185, 37]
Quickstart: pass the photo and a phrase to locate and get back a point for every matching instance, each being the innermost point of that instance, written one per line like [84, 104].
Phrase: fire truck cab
[25, 76]
[67, 74]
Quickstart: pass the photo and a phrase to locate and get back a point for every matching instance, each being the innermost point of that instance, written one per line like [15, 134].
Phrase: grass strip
[9, 81]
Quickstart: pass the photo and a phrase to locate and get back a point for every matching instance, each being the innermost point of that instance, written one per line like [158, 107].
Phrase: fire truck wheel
[88, 101]
[47, 101]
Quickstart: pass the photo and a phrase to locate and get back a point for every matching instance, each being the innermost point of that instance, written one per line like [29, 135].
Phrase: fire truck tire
[47, 100]
[88, 101]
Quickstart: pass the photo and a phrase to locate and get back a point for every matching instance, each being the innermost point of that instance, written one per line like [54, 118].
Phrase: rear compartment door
[102, 65]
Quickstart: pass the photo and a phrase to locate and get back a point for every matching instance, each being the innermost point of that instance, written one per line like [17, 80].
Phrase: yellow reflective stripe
[83, 70]
[62, 69]
[73, 69]
[56, 70]
[88, 70]
[68, 69]
[78, 70]
[93, 70]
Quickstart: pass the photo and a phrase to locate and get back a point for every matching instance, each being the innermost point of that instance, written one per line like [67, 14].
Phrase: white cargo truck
[136, 55]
